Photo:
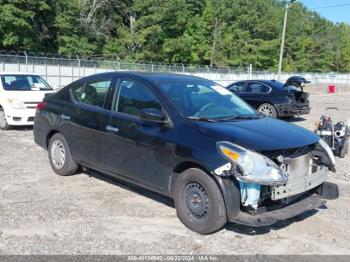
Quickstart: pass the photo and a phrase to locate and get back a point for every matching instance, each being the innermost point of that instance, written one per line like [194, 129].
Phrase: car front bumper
[20, 117]
[304, 204]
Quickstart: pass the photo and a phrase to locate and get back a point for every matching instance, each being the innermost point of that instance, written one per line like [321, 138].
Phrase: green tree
[27, 25]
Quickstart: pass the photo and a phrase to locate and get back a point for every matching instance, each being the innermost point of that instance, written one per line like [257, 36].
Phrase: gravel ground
[42, 213]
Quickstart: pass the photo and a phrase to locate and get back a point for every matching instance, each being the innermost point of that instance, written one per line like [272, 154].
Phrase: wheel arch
[50, 135]
[228, 186]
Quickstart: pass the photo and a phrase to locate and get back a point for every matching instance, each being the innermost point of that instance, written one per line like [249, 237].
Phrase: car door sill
[122, 178]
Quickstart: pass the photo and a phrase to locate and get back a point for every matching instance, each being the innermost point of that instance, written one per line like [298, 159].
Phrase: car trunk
[296, 93]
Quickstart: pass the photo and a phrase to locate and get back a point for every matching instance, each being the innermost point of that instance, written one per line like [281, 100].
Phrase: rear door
[86, 119]
[132, 147]
[255, 93]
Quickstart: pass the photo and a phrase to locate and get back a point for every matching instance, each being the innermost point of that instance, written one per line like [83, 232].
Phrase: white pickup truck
[19, 95]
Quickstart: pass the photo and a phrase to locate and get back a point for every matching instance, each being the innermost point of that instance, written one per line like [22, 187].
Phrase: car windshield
[24, 83]
[206, 100]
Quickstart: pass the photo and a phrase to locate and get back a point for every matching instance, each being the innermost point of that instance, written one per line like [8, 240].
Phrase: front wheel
[3, 121]
[199, 202]
[268, 110]
[60, 157]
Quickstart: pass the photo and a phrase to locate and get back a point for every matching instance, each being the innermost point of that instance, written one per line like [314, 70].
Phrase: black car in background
[189, 139]
[273, 98]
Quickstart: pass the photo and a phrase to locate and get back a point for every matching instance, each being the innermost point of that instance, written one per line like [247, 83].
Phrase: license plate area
[303, 176]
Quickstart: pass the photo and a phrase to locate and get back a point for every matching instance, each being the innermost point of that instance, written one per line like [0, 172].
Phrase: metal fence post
[151, 66]
[78, 64]
[72, 70]
[26, 60]
[59, 75]
[45, 69]
[3, 66]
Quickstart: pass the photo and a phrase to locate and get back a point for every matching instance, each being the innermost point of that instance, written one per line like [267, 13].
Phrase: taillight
[41, 106]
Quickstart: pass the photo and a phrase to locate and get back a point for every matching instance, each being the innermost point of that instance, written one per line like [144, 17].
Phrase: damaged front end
[276, 178]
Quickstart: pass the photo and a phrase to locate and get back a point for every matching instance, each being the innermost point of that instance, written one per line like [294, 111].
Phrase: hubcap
[2, 119]
[266, 110]
[197, 200]
[58, 154]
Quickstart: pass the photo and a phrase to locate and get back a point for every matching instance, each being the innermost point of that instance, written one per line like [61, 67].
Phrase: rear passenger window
[132, 96]
[92, 92]
[257, 88]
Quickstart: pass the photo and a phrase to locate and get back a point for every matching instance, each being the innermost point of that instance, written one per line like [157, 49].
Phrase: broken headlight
[252, 167]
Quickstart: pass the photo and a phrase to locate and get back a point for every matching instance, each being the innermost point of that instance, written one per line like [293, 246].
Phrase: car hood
[260, 134]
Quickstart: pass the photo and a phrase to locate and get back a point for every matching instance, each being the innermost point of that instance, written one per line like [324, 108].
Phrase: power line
[330, 6]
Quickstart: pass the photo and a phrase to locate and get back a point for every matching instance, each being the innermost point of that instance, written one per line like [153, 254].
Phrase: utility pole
[283, 37]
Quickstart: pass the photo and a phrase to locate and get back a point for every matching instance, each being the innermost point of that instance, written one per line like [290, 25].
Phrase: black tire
[3, 122]
[268, 110]
[199, 202]
[68, 167]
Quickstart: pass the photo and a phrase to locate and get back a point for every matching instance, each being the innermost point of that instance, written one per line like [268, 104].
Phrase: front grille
[30, 119]
[289, 153]
[31, 105]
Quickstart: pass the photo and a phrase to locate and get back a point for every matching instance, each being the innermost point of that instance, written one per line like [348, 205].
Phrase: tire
[3, 121]
[268, 110]
[61, 160]
[199, 202]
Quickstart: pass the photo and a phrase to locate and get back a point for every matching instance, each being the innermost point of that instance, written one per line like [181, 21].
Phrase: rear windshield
[24, 83]
[277, 84]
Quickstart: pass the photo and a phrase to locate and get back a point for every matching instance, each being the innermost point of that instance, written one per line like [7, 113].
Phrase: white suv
[19, 95]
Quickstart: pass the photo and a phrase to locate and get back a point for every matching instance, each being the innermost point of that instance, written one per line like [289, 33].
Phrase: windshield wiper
[238, 118]
[205, 119]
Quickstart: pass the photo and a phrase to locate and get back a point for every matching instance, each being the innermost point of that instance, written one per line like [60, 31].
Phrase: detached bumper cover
[306, 204]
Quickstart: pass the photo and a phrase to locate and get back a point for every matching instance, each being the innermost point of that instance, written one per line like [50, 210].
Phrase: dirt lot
[42, 213]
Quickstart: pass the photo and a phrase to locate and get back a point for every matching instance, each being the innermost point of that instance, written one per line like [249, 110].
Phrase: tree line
[218, 33]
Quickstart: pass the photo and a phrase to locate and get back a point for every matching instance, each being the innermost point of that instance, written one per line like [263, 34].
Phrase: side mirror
[152, 115]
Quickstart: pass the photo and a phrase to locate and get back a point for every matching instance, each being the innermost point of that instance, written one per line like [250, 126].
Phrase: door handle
[112, 128]
[65, 117]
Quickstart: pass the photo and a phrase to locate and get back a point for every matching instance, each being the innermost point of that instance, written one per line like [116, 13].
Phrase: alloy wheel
[266, 110]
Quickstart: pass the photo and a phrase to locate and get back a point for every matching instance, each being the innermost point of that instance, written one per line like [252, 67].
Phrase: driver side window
[133, 96]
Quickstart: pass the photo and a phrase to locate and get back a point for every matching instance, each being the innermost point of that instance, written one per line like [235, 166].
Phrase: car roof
[272, 83]
[152, 76]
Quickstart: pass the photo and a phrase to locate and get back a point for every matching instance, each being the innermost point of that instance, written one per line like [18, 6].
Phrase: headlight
[328, 151]
[251, 166]
[16, 104]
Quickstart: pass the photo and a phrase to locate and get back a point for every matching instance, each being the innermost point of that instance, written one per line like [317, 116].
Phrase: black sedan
[273, 98]
[189, 139]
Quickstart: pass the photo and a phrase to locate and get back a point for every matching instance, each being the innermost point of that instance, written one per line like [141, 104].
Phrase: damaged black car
[189, 139]
[273, 98]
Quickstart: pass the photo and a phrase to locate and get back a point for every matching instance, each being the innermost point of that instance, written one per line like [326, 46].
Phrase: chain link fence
[60, 71]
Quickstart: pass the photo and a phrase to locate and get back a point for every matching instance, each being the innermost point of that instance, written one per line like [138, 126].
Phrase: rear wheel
[3, 121]
[60, 157]
[199, 202]
[268, 110]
